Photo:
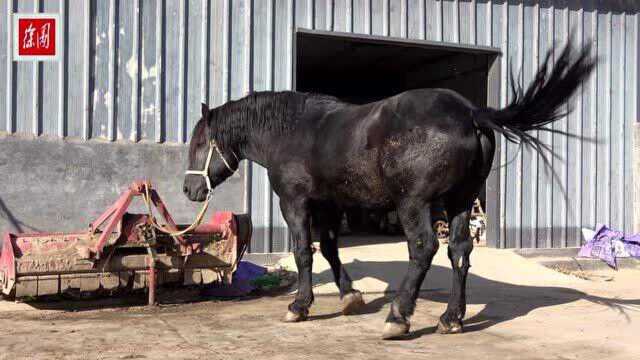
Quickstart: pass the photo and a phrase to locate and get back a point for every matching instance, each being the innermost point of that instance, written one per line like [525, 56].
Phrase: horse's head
[209, 165]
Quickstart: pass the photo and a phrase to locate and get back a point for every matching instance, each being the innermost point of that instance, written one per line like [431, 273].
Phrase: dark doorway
[363, 68]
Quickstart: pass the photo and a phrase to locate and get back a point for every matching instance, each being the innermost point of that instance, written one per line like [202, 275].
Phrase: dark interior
[362, 68]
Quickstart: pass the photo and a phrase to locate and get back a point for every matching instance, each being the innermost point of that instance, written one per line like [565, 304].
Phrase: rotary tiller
[121, 250]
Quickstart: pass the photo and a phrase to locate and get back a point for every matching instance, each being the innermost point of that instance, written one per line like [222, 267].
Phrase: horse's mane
[266, 111]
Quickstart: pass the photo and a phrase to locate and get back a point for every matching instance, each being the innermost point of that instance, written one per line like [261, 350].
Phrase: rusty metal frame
[88, 247]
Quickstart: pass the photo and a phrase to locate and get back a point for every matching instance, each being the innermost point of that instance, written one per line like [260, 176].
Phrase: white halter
[205, 172]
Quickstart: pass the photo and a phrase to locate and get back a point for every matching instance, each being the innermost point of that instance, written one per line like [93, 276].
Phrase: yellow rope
[196, 222]
[147, 199]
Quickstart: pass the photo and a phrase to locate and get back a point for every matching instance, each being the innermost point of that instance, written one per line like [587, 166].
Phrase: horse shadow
[502, 301]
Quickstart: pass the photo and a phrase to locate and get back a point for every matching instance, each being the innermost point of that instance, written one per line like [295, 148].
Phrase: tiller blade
[121, 250]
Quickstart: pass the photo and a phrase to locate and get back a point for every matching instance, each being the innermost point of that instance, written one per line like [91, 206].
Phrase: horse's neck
[259, 147]
[263, 135]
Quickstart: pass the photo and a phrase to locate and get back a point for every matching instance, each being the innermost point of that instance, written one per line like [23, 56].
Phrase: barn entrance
[364, 68]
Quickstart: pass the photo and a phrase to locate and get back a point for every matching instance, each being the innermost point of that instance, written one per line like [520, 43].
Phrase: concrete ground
[517, 309]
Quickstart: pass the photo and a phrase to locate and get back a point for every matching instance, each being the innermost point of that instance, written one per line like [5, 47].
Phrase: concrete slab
[517, 309]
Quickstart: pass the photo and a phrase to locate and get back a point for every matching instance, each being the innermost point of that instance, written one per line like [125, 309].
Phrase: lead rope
[147, 198]
[196, 222]
[204, 172]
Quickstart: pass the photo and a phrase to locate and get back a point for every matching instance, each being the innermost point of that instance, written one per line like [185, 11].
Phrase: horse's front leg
[296, 213]
[460, 246]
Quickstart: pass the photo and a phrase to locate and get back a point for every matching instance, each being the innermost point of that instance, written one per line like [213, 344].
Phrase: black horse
[406, 152]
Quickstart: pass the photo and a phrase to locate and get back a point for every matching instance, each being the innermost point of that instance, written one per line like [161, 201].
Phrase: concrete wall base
[55, 185]
[635, 158]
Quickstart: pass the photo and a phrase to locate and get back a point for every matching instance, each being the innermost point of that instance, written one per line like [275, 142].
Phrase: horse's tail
[542, 103]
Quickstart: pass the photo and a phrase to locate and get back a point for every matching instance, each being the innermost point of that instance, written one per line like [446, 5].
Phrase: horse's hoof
[294, 317]
[352, 302]
[454, 327]
[394, 330]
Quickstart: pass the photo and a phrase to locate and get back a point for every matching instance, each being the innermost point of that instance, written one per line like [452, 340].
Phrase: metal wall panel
[379, 17]
[630, 109]
[574, 122]
[361, 16]
[138, 70]
[397, 18]
[342, 15]
[283, 80]
[262, 80]
[415, 19]
[148, 67]
[6, 67]
[529, 159]
[172, 70]
[589, 127]
[559, 142]
[27, 83]
[513, 179]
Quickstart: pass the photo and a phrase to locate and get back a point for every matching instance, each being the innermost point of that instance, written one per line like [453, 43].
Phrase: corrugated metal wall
[592, 178]
[138, 69]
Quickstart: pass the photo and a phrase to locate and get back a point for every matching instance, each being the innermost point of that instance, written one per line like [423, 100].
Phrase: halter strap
[205, 172]
[215, 146]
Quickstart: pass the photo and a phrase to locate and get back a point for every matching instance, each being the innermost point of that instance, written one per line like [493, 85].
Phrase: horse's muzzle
[194, 188]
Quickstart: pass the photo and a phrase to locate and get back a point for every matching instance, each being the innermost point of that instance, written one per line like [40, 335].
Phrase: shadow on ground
[502, 301]
[165, 296]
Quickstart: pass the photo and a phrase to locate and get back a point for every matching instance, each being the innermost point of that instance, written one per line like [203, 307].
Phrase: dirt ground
[517, 310]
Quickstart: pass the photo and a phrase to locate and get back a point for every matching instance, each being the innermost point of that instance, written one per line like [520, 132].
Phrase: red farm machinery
[122, 250]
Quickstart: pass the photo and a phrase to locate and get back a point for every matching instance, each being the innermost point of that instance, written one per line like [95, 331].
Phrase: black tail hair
[542, 103]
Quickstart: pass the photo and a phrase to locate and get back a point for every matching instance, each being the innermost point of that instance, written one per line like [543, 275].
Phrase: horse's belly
[359, 194]
[358, 184]
[348, 172]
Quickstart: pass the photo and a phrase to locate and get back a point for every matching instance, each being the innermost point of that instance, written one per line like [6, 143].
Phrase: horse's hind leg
[327, 222]
[460, 246]
[423, 245]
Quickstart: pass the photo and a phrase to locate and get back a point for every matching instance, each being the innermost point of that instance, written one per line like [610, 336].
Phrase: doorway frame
[494, 82]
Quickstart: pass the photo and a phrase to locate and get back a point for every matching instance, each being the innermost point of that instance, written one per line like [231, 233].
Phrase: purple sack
[241, 283]
[608, 245]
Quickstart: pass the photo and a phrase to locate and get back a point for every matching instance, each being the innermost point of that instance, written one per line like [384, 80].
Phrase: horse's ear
[205, 111]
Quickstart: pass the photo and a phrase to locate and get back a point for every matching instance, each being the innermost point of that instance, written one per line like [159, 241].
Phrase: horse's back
[369, 125]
